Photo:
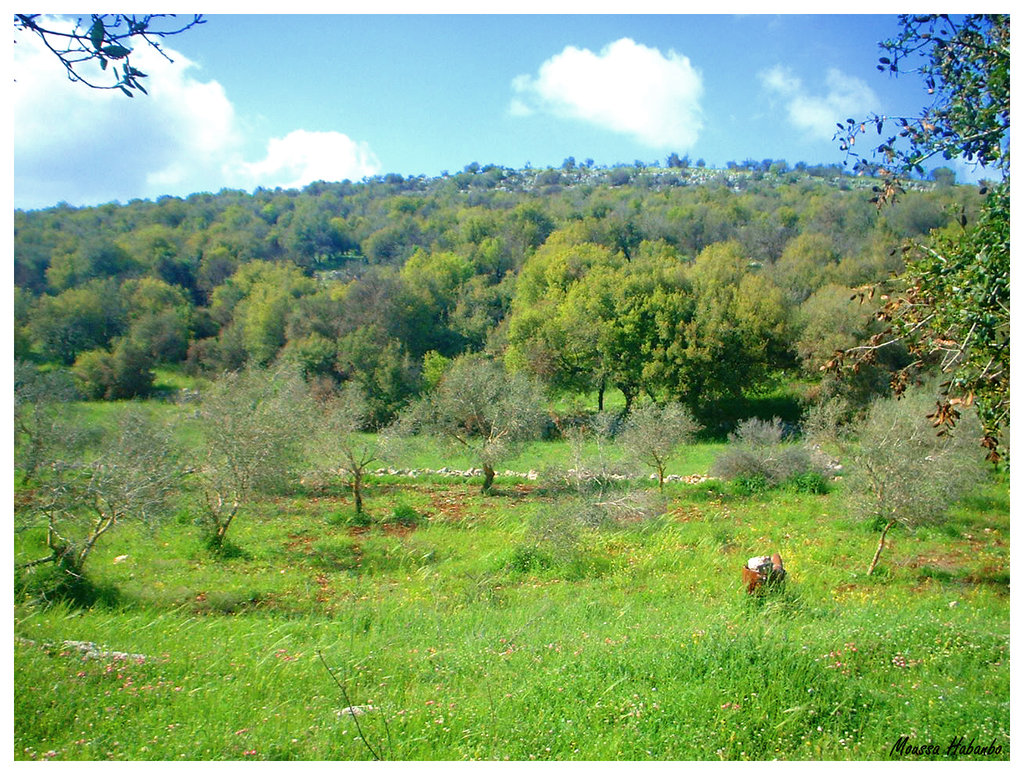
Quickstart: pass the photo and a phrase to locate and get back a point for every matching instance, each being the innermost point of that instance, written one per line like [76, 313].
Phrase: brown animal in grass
[762, 573]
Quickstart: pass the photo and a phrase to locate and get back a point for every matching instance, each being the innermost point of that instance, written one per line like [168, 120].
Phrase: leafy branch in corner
[107, 40]
[950, 306]
[966, 71]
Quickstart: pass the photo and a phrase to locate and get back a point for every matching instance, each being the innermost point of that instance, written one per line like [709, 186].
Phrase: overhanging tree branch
[107, 40]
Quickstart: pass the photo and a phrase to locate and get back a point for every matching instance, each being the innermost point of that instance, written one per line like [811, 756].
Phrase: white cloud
[302, 157]
[627, 88]
[817, 115]
[84, 146]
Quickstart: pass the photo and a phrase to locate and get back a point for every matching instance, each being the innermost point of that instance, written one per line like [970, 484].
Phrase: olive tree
[653, 434]
[339, 445]
[129, 475]
[40, 427]
[252, 424]
[592, 464]
[906, 472]
[479, 408]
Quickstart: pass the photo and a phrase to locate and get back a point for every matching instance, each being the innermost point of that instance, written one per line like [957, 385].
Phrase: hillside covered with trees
[677, 282]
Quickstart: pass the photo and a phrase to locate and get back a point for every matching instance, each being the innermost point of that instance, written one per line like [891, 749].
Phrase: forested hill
[677, 281]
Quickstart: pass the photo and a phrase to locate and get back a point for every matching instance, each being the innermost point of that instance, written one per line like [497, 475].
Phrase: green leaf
[96, 32]
[116, 52]
[122, 88]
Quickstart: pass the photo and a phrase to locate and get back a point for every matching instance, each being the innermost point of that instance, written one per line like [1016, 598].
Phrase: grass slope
[498, 628]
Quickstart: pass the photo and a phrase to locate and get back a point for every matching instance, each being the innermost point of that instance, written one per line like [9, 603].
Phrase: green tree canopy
[76, 320]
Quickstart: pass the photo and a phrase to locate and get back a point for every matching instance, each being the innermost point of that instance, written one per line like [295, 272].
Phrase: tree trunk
[357, 492]
[600, 396]
[488, 478]
[629, 395]
[218, 535]
[881, 545]
[220, 532]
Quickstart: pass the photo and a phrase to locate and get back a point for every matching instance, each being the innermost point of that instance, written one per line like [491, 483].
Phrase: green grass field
[501, 628]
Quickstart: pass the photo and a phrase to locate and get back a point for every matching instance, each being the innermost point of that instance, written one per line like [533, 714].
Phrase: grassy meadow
[498, 627]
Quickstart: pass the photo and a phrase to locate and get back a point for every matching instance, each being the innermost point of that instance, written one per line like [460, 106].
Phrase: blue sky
[264, 100]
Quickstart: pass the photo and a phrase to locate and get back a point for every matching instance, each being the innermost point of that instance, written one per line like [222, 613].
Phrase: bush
[350, 519]
[526, 558]
[904, 472]
[225, 550]
[404, 515]
[124, 372]
[810, 483]
[591, 470]
[758, 458]
[57, 582]
[750, 485]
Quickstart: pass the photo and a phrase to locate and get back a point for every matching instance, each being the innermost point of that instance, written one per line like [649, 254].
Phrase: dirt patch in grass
[950, 562]
[996, 575]
[687, 514]
[323, 588]
[398, 530]
[297, 540]
[959, 565]
[449, 505]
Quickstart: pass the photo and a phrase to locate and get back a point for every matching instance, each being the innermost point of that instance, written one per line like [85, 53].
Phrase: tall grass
[621, 641]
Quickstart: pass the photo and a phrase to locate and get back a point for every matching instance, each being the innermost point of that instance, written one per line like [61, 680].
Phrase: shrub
[59, 582]
[479, 409]
[253, 423]
[750, 485]
[124, 372]
[225, 550]
[810, 483]
[759, 458]
[350, 519]
[591, 470]
[526, 558]
[132, 475]
[653, 434]
[405, 515]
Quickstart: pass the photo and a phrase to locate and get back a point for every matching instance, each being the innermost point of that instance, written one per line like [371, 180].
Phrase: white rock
[355, 710]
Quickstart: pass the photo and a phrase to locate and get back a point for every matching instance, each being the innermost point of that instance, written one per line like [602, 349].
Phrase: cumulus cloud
[83, 146]
[302, 157]
[817, 115]
[627, 88]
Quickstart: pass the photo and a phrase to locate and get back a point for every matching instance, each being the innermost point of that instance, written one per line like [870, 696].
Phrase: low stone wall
[454, 472]
[530, 475]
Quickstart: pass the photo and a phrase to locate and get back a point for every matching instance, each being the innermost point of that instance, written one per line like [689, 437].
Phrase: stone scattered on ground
[355, 710]
[87, 650]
